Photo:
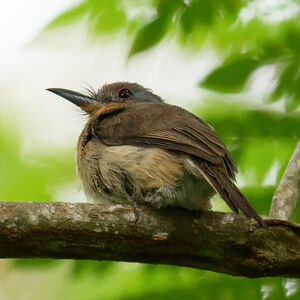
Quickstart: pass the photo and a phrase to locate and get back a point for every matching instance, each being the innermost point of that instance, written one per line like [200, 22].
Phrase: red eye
[124, 93]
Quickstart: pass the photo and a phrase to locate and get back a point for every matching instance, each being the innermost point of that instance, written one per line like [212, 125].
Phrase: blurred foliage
[242, 46]
[141, 281]
[34, 178]
[91, 280]
[104, 15]
[262, 44]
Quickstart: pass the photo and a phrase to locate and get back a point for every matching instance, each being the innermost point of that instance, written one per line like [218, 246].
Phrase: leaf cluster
[243, 47]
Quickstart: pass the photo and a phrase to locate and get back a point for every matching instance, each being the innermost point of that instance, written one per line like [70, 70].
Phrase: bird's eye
[124, 93]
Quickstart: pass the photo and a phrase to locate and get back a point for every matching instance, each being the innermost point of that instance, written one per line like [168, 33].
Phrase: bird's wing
[173, 128]
[165, 126]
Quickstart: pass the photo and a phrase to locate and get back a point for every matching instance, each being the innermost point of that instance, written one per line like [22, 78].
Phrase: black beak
[75, 97]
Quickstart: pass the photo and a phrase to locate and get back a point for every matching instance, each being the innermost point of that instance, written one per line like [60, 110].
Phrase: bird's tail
[224, 186]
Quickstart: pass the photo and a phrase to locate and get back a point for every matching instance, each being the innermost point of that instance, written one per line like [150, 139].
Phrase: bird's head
[122, 92]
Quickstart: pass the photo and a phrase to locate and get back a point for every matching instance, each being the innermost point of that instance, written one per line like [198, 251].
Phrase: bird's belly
[150, 175]
[191, 191]
[145, 168]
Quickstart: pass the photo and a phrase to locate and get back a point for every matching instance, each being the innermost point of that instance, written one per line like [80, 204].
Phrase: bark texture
[221, 242]
[285, 198]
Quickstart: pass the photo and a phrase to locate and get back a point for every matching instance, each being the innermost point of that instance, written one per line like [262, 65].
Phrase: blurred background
[235, 63]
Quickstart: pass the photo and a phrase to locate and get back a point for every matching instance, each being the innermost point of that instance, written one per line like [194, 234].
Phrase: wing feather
[173, 128]
[166, 126]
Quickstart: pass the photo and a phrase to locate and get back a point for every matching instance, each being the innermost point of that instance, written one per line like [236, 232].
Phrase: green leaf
[148, 36]
[199, 13]
[232, 75]
[293, 37]
[70, 16]
[106, 16]
[196, 14]
[288, 85]
[294, 100]
[152, 33]
[284, 82]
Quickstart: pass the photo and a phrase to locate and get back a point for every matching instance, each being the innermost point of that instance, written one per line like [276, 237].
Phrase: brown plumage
[136, 147]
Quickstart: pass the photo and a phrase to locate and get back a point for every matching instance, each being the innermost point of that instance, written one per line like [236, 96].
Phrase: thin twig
[285, 198]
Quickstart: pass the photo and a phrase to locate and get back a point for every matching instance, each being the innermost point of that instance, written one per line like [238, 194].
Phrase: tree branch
[285, 198]
[221, 242]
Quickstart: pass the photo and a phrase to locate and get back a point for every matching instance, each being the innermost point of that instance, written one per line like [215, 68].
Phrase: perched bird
[137, 149]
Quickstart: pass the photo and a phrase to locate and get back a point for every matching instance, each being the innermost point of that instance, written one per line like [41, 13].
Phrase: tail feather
[223, 185]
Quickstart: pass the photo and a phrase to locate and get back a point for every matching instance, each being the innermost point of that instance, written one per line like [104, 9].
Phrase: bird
[137, 149]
